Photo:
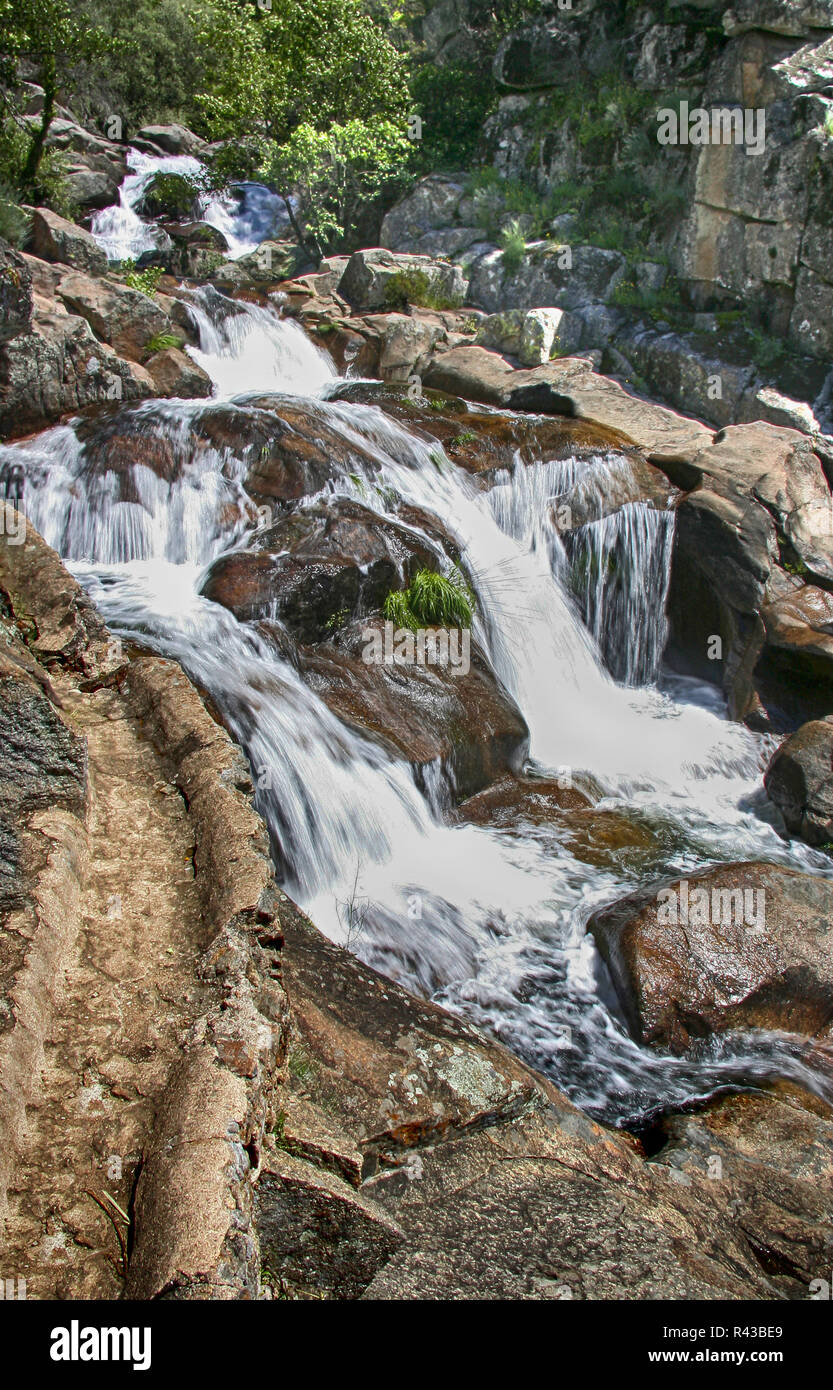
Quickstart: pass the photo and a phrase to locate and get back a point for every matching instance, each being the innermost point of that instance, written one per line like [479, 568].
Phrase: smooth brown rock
[682, 980]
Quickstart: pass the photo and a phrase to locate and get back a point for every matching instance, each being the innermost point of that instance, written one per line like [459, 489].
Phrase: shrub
[170, 195]
[14, 222]
[146, 281]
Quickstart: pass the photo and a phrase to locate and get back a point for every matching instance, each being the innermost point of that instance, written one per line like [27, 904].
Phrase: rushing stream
[489, 922]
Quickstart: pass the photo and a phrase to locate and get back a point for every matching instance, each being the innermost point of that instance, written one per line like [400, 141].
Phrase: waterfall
[490, 922]
[246, 216]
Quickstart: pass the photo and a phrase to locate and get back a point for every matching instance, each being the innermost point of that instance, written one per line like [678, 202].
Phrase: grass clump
[431, 600]
[513, 244]
[160, 342]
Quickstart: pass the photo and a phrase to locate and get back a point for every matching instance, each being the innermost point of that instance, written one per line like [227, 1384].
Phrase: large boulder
[570, 277]
[737, 946]
[319, 569]
[273, 260]
[430, 714]
[799, 780]
[765, 1162]
[53, 238]
[532, 335]
[16, 295]
[430, 206]
[174, 373]
[378, 278]
[126, 319]
[793, 679]
[760, 495]
[173, 139]
[58, 367]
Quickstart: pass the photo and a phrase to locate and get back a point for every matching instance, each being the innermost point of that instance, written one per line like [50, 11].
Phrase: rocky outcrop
[53, 238]
[799, 780]
[377, 279]
[738, 946]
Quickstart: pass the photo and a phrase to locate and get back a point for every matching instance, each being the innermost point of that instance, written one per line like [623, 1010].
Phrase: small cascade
[247, 215]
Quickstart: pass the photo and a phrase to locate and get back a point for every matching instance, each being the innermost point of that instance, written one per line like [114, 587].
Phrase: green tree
[52, 37]
[321, 62]
[326, 177]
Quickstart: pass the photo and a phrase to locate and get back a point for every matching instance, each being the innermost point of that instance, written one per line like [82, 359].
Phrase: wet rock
[799, 780]
[754, 952]
[484, 442]
[610, 840]
[515, 799]
[426, 713]
[53, 238]
[367, 279]
[126, 319]
[176, 374]
[319, 569]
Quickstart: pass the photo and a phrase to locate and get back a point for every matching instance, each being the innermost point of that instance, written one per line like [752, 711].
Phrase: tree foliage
[319, 62]
[326, 177]
[51, 37]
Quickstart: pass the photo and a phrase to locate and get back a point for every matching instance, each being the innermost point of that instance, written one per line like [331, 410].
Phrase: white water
[245, 221]
[491, 922]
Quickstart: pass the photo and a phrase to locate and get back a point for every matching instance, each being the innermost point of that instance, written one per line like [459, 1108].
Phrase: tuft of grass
[160, 342]
[431, 600]
[396, 609]
[513, 243]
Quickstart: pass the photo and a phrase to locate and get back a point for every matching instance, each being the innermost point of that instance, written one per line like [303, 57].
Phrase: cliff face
[741, 230]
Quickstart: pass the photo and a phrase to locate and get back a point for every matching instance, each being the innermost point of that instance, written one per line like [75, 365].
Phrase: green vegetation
[171, 195]
[431, 600]
[333, 175]
[161, 342]
[513, 242]
[415, 287]
[146, 281]
[14, 223]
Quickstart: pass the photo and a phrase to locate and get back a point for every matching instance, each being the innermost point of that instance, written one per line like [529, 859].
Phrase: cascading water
[246, 217]
[491, 922]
